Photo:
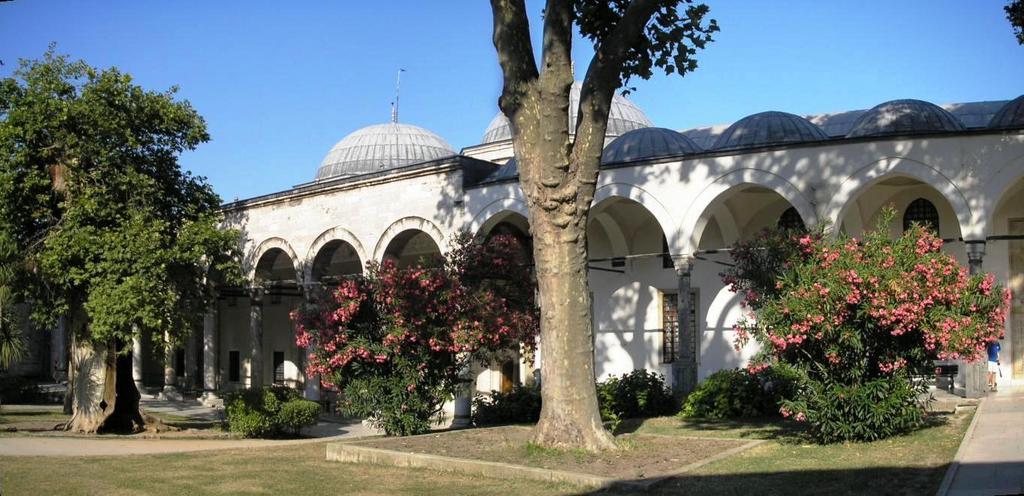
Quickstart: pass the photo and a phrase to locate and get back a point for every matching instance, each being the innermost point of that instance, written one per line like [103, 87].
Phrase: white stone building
[667, 204]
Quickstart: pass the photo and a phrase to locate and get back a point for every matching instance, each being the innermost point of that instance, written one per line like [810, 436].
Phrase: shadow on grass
[874, 480]
[758, 428]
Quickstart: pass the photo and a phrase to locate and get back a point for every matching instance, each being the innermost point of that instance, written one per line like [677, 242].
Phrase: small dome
[904, 117]
[381, 147]
[624, 116]
[768, 128]
[1010, 115]
[648, 142]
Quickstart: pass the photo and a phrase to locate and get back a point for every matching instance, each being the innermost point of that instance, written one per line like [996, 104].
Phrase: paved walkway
[991, 459]
[78, 446]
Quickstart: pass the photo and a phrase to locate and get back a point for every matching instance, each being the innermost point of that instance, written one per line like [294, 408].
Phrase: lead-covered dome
[904, 117]
[648, 142]
[623, 116]
[381, 147]
[1010, 115]
[768, 128]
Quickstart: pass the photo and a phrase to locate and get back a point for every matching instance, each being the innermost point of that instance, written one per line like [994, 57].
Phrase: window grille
[278, 367]
[234, 366]
[923, 212]
[670, 344]
[790, 220]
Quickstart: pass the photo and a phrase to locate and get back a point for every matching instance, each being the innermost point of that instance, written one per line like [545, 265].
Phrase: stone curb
[351, 453]
[947, 480]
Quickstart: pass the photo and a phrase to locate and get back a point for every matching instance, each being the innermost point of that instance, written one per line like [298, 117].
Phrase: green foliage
[868, 411]
[12, 343]
[738, 393]
[521, 405]
[396, 341]
[106, 225]
[671, 37]
[637, 394]
[270, 412]
[392, 405]
[298, 413]
[1015, 14]
[19, 390]
[858, 317]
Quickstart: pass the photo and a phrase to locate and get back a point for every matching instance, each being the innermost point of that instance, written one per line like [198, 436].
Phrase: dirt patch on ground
[639, 455]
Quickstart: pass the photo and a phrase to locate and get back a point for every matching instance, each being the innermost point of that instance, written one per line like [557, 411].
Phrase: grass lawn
[291, 470]
[786, 464]
[11, 416]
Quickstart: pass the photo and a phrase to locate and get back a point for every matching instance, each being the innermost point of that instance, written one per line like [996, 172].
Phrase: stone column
[974, 373]
[256, 338]
[59, 351]
[210, 357]
[463, 400]
[310, 295]
[170, 391]
[137, 361]
[684, 368]
[191, 343]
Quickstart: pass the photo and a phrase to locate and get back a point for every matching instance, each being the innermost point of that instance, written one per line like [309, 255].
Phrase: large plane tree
[108, 232]
[558, 174]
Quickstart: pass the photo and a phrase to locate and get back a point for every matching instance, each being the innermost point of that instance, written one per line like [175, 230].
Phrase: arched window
[790, 220]
[923, 212]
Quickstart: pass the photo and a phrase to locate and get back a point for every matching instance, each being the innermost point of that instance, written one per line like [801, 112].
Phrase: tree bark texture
[103, 393]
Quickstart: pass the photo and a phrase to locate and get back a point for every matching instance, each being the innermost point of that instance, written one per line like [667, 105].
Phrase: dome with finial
[382, 147]
[623, 116]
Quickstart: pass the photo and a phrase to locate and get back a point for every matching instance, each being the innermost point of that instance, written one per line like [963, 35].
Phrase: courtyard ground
[912, 464]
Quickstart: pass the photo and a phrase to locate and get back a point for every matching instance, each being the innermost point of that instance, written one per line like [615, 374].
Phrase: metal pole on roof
[398, 91]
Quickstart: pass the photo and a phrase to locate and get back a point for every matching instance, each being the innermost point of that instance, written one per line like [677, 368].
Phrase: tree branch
[602, 79]
[515, 53]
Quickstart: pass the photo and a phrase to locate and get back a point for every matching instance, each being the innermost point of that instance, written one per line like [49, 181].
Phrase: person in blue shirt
[993, 363]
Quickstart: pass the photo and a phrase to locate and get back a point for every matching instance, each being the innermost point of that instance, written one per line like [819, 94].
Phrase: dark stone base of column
[170, 393]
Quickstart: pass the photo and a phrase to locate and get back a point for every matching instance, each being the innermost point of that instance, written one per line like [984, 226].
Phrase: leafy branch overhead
[1015, 14]
[106, 224]
[671, 40]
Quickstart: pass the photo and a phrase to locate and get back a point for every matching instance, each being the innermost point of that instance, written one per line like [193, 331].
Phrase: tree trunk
[103, 395]
[569, 417]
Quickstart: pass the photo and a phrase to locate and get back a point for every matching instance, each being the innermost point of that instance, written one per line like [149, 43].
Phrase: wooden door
[508, 370]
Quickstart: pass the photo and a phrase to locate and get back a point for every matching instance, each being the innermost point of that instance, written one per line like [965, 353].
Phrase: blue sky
[280, 82]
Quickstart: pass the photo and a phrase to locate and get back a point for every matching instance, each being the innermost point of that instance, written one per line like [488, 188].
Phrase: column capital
[256, 294]
[684, 264]
[975, 248]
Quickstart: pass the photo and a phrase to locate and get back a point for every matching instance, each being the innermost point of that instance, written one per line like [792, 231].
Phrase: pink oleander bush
[859, 319]
[393, 342]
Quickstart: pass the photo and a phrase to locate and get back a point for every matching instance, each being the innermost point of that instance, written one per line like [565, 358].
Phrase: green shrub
[868, 411]
[521, 405]
[269, 412]
[20, 390]
[296, 414]
[248, 421]
[637, 394]
[738, 393]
